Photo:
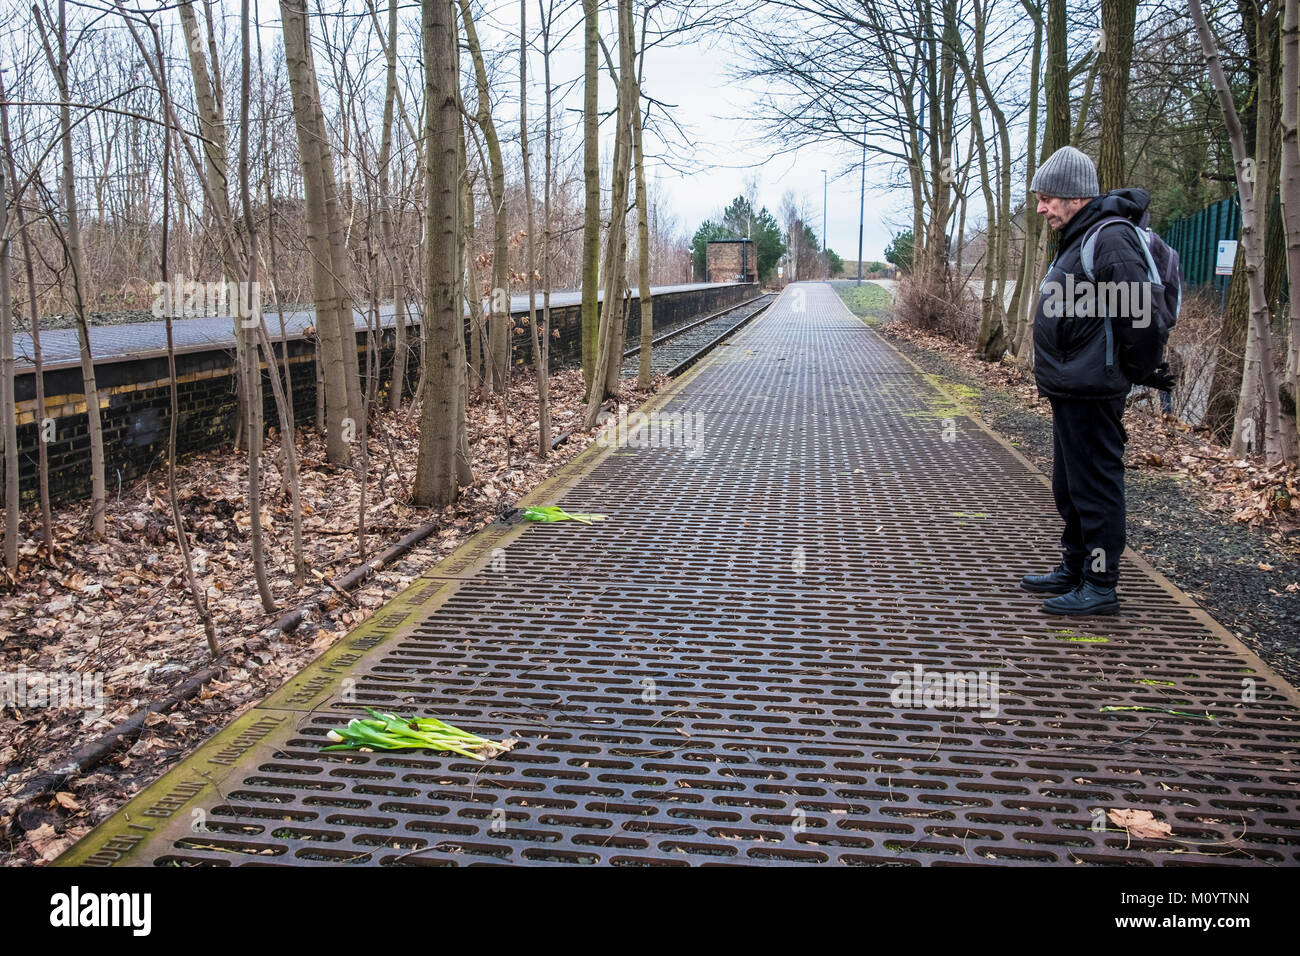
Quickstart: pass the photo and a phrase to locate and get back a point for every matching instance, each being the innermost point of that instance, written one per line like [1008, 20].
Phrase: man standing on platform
[1093, 327]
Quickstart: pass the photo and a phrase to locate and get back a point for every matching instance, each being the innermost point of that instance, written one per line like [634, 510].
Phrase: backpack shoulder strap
[1088, 253]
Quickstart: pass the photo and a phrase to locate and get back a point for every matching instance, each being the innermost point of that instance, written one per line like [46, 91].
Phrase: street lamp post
[862, 201]
[825, 257]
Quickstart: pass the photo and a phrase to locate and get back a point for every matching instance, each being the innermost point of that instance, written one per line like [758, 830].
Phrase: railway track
[678, 348]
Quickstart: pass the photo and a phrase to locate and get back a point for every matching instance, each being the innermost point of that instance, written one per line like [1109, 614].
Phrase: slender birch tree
[540, 355]
[210, 101]
[8, 420]
[33, 309]
[645, 296]
[389, 214]
[71, 240]
[591, 180]
[546, 14]
[197, 592]
[612, 318]
[335, 325]
[500, 325]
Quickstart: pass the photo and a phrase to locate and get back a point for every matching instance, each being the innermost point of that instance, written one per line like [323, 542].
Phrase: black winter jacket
[1077, 356]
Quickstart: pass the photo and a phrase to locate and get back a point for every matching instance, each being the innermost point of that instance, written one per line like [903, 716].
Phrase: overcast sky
[703, 173]
[708, 100]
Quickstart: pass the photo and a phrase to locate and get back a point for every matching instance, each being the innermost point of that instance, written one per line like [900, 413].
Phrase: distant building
[730, 260]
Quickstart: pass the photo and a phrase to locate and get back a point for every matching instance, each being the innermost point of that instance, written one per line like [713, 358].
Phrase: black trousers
[1088, 439]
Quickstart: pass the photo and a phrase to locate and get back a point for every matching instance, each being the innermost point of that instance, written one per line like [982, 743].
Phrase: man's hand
[1161, 378]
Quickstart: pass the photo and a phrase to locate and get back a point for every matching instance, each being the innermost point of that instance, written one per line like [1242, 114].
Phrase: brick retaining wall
[135, 402]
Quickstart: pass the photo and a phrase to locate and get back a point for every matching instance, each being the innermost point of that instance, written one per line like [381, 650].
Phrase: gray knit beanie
[1066, 174]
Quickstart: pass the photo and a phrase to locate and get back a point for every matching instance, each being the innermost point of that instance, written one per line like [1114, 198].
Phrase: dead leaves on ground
[47, 842]
[121, 606]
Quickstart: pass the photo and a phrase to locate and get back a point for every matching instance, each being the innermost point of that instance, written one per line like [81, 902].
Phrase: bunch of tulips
[391, 732]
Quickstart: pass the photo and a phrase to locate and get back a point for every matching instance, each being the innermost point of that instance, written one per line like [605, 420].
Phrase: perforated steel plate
[710, 676]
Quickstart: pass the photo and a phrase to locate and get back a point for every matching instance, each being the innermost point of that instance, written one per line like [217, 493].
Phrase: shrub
[947, 307]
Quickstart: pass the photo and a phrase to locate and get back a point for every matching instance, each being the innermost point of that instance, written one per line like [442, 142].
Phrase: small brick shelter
[730, 260]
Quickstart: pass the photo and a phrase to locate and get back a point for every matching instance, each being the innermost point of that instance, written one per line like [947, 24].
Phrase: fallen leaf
[46, 842]
[1140, 823]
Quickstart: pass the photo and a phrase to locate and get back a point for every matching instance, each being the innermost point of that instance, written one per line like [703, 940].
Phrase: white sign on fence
[1227, 256]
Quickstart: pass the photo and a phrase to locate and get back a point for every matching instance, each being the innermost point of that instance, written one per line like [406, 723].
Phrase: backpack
[1166, 285]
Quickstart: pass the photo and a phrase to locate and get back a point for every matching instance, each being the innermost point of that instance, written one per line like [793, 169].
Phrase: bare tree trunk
[478, 322]
[76, 262]
[210, 101]
[340, 206]
[338, 249]
[996, 343]
[992, 334]
[247, 297]
[283, 398]
[42, 443]
[1115, 56]
[333, 311]
[8, 421]
[962, 189]
[609, 354]
[941, 77]
[1057, 92]
[464, 473]
[387, 213]
[543, 381]
[212, 124]
[642, 241]
[273, 271]
[591, 180]
[1023, 299]
[288, 432]
[985, 344]
[479, 312]
[249, 313]
[158, 69]
[1230, 354]
[1085, 101]
[1037, 266]
[319, 348]
[1251, 240]
[1289, 177]
[500, 327]
[442, 424]
[539, 360]
[197, 594]
[619, 201]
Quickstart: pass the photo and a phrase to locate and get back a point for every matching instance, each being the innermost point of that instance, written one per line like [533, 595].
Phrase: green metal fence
[1196, 240]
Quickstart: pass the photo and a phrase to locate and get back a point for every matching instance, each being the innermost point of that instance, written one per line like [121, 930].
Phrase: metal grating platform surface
[711, 675]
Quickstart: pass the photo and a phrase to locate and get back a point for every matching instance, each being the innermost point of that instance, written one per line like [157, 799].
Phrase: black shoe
[1087, 598]
[1059, 580]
